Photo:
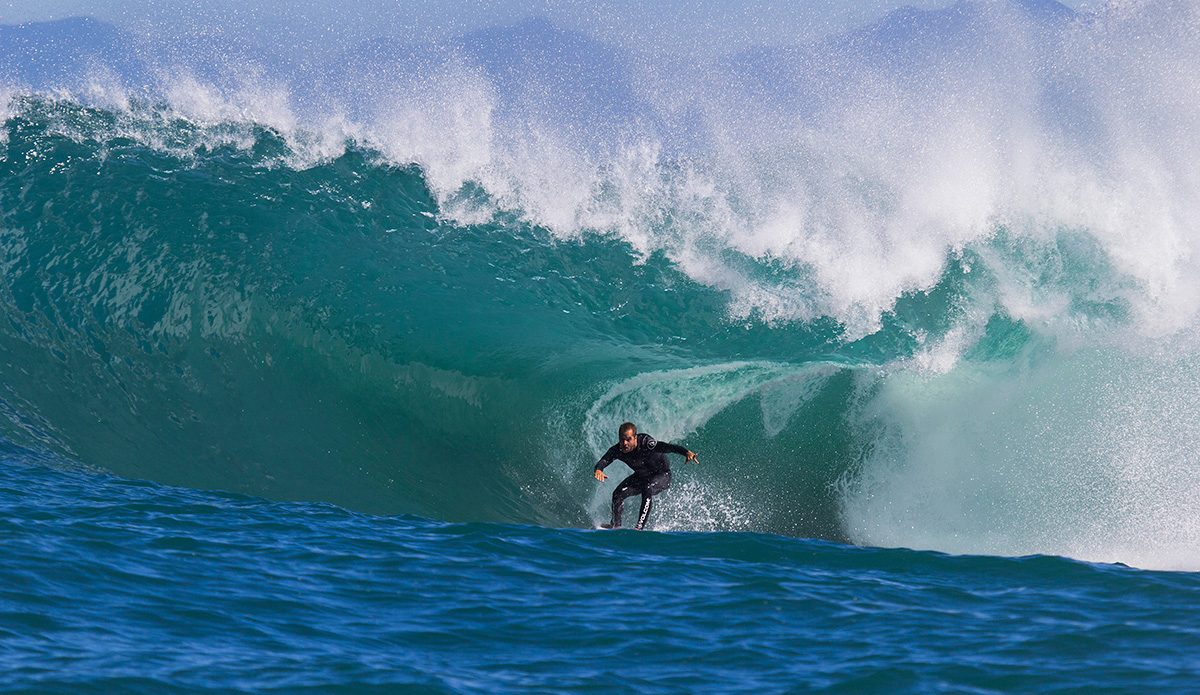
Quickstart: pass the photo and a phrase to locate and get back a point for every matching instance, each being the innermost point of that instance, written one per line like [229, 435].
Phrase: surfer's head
[627, 436]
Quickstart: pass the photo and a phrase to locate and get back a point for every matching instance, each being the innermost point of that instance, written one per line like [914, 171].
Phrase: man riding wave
[651, 470]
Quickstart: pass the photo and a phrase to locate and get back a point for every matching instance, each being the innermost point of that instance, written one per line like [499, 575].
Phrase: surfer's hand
[600, 476]
[691, 456]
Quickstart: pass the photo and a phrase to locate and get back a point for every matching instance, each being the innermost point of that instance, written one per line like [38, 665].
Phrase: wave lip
[856, 191]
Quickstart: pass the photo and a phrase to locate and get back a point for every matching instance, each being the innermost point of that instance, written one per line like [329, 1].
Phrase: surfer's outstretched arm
[606, 459]
[676, 449]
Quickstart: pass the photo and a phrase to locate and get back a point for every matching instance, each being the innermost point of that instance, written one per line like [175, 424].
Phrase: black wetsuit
[651, 474]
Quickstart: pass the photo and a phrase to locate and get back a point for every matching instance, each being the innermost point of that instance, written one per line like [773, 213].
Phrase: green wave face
[204, 314]
[184, 301]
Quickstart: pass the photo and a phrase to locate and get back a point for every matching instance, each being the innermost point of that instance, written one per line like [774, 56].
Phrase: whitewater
[304, 363]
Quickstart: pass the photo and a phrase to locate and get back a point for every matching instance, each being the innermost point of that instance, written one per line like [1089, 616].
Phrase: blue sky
[692, 26]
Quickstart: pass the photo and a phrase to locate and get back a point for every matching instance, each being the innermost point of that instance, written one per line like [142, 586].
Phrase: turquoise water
[348, 345]
[303, 370]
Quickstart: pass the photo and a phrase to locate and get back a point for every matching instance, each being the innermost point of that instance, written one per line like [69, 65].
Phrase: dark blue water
[113, 584]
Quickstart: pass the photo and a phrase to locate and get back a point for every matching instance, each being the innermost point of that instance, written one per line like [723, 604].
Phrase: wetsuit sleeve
[607, 458]
[651, 444]
[669, 448]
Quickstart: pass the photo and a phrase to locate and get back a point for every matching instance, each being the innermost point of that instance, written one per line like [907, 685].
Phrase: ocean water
[304, 366]
[112, 584]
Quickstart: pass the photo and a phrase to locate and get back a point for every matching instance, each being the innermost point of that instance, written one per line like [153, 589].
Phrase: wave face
[930, 283]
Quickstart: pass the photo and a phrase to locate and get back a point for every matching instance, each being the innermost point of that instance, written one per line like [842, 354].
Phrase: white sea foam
[1089, 455]
[695, 506]
[856, 190]
[6, 97]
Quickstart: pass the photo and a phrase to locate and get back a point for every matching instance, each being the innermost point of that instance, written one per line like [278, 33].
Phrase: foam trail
[675, 403]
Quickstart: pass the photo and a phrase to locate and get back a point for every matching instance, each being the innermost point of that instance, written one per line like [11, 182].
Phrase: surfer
[651, 470]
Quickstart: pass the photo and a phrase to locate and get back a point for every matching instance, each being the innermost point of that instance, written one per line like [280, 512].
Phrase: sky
[692, 26]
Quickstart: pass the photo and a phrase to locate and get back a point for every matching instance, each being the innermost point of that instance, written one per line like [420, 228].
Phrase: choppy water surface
[111, 583]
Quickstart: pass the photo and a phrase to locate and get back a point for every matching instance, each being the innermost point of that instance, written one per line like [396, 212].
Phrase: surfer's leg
[628, 487]
[657, 484]
[644, 514]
